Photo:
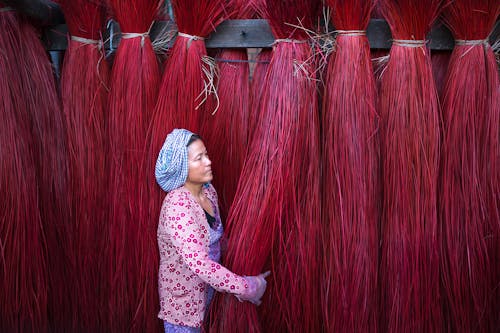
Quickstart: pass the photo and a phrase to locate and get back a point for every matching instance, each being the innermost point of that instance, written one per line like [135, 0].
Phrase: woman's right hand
[256, 287]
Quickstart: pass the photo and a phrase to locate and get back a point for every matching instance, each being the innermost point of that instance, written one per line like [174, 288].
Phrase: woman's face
[199, 165]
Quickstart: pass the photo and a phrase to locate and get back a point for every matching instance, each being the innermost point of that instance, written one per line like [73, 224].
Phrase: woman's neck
[195, 189]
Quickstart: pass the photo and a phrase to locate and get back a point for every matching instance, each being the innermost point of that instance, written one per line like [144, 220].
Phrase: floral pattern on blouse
[185, 266]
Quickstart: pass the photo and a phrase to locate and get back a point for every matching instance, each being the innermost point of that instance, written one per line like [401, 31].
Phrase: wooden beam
[257, 34]
[43, 12]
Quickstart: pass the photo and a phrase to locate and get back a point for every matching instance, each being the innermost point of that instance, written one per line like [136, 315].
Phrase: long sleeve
[189, 237]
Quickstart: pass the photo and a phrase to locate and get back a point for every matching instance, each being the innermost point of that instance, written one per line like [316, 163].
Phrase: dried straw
[188, 81]
[84, 85]
[39, 247]
[23, 256]
[470, 178]
[274, 215]
[351, 175]
[132, 249]
[409, 111]
[225, 130]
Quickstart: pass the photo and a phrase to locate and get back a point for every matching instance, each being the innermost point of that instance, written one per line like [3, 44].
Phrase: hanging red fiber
[132, 249]
[351, 175]
[37, 103]
[256, 86]
[469, 184]
[274, 217]
[258, 75]
[183, 98]
[23, 259]
[440, 61]
[409, 111]
[225, 130]
[84, 86]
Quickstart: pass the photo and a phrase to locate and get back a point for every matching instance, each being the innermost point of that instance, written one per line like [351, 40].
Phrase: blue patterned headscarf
[171, 169]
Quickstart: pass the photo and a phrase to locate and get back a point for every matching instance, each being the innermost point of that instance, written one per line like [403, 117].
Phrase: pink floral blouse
[185, 267]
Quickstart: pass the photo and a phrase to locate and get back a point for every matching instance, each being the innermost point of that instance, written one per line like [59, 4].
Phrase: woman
[189, 232]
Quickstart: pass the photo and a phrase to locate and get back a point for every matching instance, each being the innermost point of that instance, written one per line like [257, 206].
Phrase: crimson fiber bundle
[469, 187]
[274, 217]
[258, 76]
[183, 93]
[225, 130]
[409, 111]
[84, 84]
[135, 79]
[36, 103]
[440, 60]
[351, 175]
[23, 260]
[256, 86]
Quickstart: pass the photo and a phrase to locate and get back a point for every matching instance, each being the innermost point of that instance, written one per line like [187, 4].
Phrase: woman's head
[173, 166]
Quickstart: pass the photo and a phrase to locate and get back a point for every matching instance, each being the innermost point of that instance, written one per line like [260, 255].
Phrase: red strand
[181, 99]
[351, 176]
[23, 255]
[35, 100]
[135, 79]
[469, 187]
[440, 61]
[410, 145]
[228, 123]
[256, 87]
[180, 102]
[274, 217]
[84, 85]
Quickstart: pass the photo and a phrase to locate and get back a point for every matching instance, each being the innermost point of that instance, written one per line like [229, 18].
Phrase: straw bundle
[351, 179]
[410, 144]
[274, 215]
[188, 80]
[84, 82]
[469, 186]
[132, 250]
[23, 263]
[228, 123]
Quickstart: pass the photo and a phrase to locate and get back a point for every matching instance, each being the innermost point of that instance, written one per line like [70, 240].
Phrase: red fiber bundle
[182, 99]
[135, 79]
[256, 87]
[410, 144]
[440, 60]
[23, 248]
[258, 74]
[469, 188]
[351, 175]
[36, 102]
[84, 84]
[274, 217]
[225, 130]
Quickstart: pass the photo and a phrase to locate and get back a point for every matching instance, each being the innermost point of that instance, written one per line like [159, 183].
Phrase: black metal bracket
[256, 34]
